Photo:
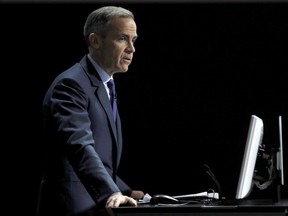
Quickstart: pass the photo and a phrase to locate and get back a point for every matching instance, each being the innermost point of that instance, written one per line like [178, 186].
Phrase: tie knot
[112, 91]
[111, 85]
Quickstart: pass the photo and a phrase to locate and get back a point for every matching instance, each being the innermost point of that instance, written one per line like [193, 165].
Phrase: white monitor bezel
[280, 159]
[253, 142]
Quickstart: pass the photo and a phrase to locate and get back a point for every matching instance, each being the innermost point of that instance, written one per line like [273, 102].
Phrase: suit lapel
[104, 100]
[100, 92]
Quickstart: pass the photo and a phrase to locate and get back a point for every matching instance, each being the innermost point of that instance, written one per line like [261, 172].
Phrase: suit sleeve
[125, 189]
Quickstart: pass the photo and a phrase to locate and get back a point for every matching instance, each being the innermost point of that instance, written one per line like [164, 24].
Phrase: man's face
[117, 47]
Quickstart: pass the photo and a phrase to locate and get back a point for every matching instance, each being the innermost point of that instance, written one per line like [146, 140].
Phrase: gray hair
[100, 18]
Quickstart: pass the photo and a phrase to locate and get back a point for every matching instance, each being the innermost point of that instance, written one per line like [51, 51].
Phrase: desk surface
[245, 207]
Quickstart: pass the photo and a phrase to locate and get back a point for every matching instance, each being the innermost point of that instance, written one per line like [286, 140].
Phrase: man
[83, 140]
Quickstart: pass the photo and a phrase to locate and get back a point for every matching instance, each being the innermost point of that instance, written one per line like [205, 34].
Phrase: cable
[210, 173]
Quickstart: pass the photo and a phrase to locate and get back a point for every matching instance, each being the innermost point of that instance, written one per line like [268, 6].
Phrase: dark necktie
[112, 92]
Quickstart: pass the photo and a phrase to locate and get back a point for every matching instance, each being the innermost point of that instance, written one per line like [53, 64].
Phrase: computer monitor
[253, 142]
[278, 161]
[280, 157]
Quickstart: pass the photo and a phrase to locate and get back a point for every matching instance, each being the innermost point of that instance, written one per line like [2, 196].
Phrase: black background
[199, 72]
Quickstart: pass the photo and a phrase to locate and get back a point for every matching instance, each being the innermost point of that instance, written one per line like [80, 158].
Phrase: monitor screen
[253, 142]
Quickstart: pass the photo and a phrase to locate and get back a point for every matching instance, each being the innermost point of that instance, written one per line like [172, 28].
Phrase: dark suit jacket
[82, 145]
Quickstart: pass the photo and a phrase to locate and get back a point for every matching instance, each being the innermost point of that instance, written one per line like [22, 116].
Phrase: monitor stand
[276, 184]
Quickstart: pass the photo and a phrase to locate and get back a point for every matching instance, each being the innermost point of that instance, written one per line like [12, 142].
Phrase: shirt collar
[103, 75]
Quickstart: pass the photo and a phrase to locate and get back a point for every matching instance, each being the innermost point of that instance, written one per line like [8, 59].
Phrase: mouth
[127, 60]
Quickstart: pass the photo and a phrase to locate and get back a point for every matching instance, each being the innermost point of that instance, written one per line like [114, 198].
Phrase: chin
[124, 69]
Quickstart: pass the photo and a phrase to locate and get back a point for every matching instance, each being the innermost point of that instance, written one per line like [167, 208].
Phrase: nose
[131, 48]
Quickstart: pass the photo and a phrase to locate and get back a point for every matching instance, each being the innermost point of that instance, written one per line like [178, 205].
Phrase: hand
[117, 199]
[136, 194]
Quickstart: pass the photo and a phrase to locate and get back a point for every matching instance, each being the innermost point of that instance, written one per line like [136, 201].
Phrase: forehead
[124, 25]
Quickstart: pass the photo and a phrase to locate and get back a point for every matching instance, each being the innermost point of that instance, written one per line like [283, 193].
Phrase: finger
[110, 203]
[116, 203]
[132, 202]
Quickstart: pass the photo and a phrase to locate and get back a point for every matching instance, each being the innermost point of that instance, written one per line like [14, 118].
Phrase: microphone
[210, 173]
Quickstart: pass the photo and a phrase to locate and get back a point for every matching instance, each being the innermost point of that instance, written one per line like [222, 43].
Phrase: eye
[124, 38]
[127, 39]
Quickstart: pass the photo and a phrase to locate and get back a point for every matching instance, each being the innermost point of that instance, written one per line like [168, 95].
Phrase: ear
[94, 40]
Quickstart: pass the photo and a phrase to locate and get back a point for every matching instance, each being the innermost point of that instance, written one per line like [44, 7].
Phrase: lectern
[245, 208]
